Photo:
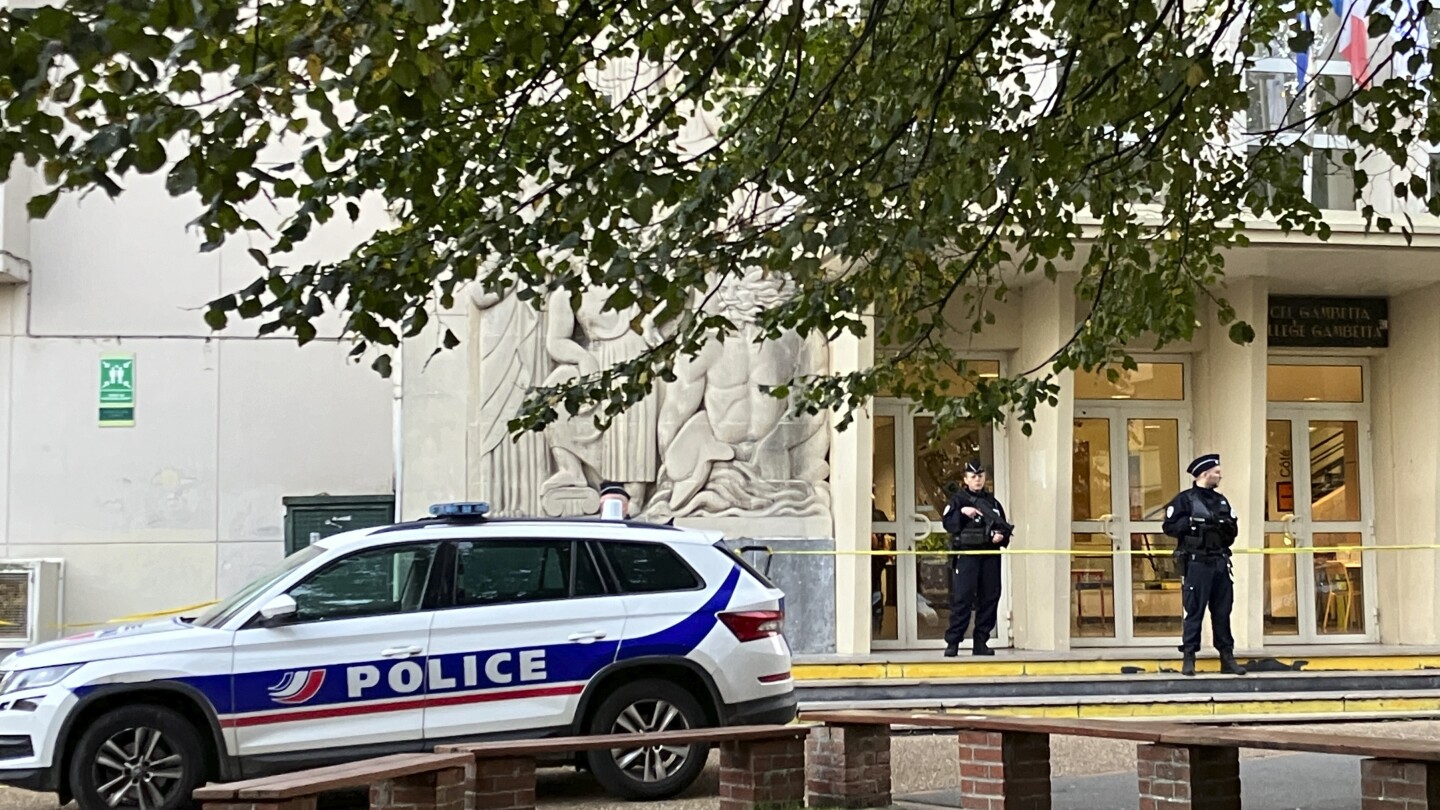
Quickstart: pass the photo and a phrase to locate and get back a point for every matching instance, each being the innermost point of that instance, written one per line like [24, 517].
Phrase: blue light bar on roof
[474, 509]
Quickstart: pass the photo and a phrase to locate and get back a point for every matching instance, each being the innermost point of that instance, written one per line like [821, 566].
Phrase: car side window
[377, 582]
[650, 568]
[496, 572]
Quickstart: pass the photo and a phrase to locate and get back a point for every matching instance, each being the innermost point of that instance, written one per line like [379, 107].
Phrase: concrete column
[1230, 409]
[1405, 447]
[851, 460]
[434, 405]
[1040, 477]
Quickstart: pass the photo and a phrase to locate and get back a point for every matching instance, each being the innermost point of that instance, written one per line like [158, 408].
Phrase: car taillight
[753, 625]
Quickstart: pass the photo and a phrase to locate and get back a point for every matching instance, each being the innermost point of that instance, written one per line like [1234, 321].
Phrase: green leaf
[312, 163]
[382, 366]
[181, 178]
[39, 206]
[149, 155]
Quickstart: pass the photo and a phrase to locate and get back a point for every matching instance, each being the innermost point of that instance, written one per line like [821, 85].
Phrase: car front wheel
[648, 772]
[141, 757]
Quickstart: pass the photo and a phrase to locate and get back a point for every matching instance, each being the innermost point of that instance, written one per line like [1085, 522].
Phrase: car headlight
[35, 678]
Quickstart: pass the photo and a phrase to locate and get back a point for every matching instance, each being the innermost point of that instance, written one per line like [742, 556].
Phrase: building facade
[1325, 425]
[240, 449]
[183, 499]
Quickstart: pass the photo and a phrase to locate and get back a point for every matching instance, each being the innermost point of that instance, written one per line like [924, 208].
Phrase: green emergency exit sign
[117, 390]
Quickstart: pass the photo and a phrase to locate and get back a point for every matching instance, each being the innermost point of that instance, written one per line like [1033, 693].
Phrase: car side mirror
[277, 610]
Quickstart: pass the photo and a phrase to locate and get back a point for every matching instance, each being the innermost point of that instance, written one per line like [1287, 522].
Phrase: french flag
[1354, 36]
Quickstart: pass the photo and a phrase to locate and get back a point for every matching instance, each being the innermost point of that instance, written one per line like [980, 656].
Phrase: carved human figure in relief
[509, 473]
[581, 341]
[729, 448]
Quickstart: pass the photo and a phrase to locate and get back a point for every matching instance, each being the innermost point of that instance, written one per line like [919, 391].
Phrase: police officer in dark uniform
[1203, 523]
[975, 520]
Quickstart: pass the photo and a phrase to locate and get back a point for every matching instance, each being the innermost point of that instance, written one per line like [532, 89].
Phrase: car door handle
[400, 652]
[585, 638]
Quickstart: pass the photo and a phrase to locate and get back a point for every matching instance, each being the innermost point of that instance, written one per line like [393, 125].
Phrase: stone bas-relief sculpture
[729, 448]
[580, 342]
[710, 444]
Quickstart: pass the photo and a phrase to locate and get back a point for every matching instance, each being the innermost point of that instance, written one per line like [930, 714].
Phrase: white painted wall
[185, 506]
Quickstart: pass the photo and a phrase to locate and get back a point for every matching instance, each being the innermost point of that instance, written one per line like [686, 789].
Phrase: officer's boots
[1229, 665]
[982, 647]
[1187, 667]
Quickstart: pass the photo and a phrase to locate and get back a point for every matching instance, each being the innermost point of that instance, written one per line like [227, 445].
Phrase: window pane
[956, 383]
[587, 577]
[502, 571]
[1329, 91]
[1279, 470]
[1281, 605]
[1092, 587]
[371, 583]
[940, 466]
[1285, 170]
[1090, 491]
[1334, 471]
[883, 466]
[1152, 381]
[1297, 383]
[1332, 183]
[1155, 585]
[1273, 105]
[1339, 586]
[650, 567]
[932, 602]
[1154, 450]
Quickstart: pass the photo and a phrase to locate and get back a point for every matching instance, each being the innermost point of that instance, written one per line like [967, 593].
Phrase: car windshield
[223, 611]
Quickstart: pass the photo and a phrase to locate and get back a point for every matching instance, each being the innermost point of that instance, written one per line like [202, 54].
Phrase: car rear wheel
[141, 757]
[648, 772]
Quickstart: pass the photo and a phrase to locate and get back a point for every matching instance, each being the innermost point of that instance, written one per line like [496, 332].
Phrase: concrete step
[930, 665]
[1206, 697]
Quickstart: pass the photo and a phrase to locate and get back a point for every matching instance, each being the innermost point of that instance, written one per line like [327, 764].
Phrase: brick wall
[441, 790]
[1387, 784]
[1177, 777]
[1004, 770]
[503, 784]
[762, 775]
[848, 766]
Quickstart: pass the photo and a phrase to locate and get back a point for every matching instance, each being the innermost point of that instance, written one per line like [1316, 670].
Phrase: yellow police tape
[1071, 552]
[1067, 552]
[140, 617]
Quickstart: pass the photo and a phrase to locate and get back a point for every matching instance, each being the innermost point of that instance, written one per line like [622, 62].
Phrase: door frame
[907, 522]
[1300, 414]
[1117, 524]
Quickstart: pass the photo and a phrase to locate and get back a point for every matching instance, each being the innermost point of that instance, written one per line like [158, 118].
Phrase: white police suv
[396, 639]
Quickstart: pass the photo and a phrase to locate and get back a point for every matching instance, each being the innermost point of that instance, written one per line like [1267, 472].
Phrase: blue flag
[1302, 59]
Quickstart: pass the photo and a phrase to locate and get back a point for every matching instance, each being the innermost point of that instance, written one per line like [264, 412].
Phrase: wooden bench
[760, 766]
[1005, 761]
[412, 781]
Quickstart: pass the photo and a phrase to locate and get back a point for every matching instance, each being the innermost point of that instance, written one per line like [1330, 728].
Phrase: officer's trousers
[1208, 585]
[975, 587]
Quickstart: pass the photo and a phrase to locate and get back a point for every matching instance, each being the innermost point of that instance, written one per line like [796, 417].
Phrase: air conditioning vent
[30, 600]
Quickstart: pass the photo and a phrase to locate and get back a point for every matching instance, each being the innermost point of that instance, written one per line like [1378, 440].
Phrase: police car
[396, 639]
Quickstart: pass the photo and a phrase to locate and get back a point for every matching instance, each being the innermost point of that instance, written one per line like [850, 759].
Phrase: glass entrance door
[1317, 496]
[1125, 588]
[910, 593]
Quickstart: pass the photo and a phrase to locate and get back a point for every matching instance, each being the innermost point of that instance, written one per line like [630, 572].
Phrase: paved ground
[1090, 775]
